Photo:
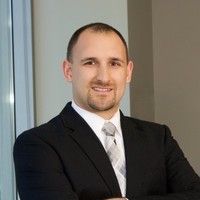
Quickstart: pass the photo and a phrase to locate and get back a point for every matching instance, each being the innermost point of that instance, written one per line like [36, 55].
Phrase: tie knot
[109, 129]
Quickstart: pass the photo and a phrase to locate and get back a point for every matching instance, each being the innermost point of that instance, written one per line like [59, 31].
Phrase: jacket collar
[91, 146]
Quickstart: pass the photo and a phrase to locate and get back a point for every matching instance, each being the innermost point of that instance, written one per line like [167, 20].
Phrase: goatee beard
[102, 103]
[98, 106]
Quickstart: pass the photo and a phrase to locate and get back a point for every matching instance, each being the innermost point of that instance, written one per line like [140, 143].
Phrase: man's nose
[103, 73]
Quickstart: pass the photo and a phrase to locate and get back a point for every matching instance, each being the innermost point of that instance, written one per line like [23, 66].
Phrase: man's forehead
[92, 39]
[96, 42]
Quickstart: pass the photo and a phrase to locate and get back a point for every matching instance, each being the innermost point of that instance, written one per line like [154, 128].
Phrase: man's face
[99, 72]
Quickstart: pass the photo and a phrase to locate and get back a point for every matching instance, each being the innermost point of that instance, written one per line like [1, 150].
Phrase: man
[91, 150]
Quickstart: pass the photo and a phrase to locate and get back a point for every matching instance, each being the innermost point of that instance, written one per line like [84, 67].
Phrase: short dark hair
[96, 27]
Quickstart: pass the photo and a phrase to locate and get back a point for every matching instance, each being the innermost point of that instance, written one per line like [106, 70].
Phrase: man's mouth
[101, 89]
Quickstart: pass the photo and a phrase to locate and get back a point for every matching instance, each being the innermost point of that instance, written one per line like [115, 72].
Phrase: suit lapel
[134, 149]
[91, 146]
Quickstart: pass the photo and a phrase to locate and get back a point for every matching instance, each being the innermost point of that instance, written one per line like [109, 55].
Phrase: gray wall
[176, 50]
[53, 23]
[165, 42]
[140, 47]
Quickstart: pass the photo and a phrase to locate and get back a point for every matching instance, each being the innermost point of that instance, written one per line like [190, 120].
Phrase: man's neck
[105, 114]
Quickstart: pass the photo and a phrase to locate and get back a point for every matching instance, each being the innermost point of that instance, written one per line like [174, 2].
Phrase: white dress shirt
[96, 123]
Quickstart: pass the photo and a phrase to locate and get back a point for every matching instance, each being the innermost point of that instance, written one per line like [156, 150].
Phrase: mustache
[102, 83]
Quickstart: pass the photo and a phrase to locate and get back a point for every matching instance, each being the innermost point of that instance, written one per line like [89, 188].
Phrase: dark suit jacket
[63, 159]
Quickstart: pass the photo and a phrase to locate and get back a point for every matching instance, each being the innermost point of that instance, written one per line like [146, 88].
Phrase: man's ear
[67, 70]
[130, 67]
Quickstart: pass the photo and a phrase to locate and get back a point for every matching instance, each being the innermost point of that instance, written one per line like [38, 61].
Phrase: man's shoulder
[42, 132]
[142, 123]
[147, 128]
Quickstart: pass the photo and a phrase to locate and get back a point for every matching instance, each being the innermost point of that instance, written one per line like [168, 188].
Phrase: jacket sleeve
[182, 182]
[39, 172]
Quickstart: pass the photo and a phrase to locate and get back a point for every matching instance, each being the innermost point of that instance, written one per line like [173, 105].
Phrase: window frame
[23, 65]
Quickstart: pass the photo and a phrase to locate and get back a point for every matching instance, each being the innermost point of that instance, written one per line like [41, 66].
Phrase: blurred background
[164, 43]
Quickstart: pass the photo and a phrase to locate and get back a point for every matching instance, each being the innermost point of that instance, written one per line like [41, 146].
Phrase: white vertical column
[7, 119]
[23, 72]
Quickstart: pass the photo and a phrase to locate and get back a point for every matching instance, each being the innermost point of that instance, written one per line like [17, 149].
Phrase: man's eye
[89, 63]
[115, 64]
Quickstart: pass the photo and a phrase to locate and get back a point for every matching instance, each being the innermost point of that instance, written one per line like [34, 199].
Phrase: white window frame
[23, 65]
[17, 98]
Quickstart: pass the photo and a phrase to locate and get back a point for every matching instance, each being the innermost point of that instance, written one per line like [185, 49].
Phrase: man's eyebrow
[88, 58]
[96, 59]
[117, 59]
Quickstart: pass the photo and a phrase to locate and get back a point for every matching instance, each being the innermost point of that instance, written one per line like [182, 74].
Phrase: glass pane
[7, 127]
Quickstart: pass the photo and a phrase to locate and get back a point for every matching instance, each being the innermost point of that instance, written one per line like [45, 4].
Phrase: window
[16, 85]
[7, 123]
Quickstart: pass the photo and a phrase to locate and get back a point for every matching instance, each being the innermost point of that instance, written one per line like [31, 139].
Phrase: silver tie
[114, 154]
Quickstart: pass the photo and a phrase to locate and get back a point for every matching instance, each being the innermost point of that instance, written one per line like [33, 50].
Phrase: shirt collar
[95, 121]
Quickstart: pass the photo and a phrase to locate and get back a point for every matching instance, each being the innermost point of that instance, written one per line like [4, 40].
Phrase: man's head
[98, 67]
[97, 28]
